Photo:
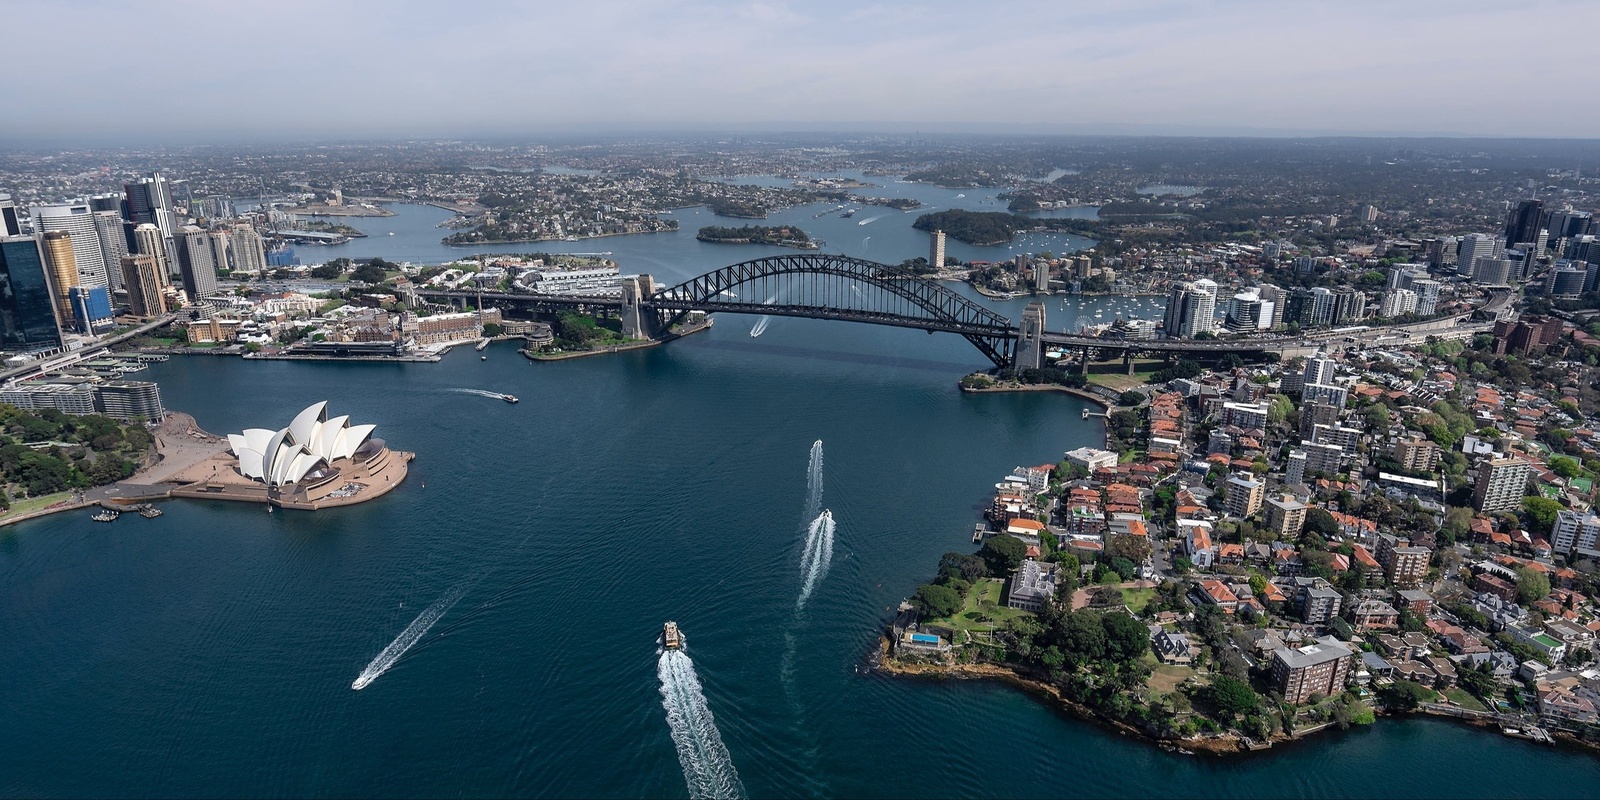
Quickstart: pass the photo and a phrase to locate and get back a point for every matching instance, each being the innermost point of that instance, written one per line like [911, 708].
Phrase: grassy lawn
[981, 609]
[1113, 375]
[1137, 599]
[1165, 678]
[1463, 698]
[32, 504]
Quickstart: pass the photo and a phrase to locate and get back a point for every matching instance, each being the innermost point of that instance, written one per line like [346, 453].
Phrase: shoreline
[551, 239]
[642, 344]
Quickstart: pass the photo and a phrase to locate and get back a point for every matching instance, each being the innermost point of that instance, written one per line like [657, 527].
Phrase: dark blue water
[210, 652]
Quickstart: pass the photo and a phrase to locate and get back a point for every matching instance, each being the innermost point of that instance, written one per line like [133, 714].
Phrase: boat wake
[480, 393]
[407, 638]
[818, 554]
[761, 324]
[870, 220]
[813, 483]
[707, 766]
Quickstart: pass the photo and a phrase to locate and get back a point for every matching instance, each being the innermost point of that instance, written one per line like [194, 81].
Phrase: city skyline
[361, 69]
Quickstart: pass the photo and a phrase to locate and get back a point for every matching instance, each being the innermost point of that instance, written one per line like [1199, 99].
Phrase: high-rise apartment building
[1475, 246]
[1191, 308]
[148, 241]
[219, 251]
[145, 286]
[1319, 369]
[249, 253]
[1427, 296]
[1244, 495]
[112, 232]
[936, 250]
[1397, 303]
[1501, 483]
[1576, 532]
[27, 309]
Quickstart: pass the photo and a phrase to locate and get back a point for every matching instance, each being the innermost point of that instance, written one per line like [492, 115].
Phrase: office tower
[1568, 224]
[199, 272]
[75, 220]
[1525, 222]
[218, 240]
[91, 307]
[249, 255]
[106, 202]
[109, 226]
[10, 223]
[150, 202]
[1500, 485]
[1492, 271]
[1441, 252]
[63, 271]
[1427, 296]
[1566, 283]
[1030, 342]
[145, 286]
[1397, 303]
[1191, 307]
[149, 242]
[936, 250]
[27, 309]
[1474, 247]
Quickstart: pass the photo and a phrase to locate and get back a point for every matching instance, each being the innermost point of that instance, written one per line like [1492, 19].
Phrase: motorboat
[671, 639]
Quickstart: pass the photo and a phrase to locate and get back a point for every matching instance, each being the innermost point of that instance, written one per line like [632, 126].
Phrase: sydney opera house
[315, 462]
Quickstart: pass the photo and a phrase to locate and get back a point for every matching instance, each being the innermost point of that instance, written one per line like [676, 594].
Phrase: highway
[69, 358]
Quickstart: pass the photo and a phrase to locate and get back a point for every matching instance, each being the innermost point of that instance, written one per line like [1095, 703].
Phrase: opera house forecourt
[315, 462]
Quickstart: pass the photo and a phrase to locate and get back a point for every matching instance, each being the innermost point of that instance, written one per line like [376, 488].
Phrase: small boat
[106, 516]
[150, 512]
[848, 214]
[483, 358]
[391, 233]
[670, 638]
[510, 398]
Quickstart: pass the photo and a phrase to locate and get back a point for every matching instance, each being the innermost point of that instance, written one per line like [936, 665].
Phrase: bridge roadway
[1309, 342]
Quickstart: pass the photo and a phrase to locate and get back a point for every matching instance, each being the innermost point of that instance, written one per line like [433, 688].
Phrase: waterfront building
[146, 291]
[1500, 484]
[446, 328]
[1030, 338]
[1091, 459]
[1576, 532]
[91, 308]
[195, 263]
[1031, 586]
[128, 401]
[63, 265]
[1191, 309]
[936, 250]
[1244, 495]
[306, 449]
[1320, 668]
[75, 220]
[27, 307]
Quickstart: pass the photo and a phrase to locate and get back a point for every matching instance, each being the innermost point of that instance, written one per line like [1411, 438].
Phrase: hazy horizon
[187, 72]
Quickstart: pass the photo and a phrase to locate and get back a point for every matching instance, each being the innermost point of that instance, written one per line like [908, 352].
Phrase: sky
[201, 71]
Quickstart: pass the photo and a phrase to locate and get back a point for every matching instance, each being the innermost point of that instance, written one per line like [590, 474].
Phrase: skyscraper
[149, 242]
[63, 272]
[27, 311]
[936, 250]
[1191, 307]
[1474, 247]
[10, 223]
[218, 240]
[75, 220]
[1525, 222]
[143, 281]
[249, 255]
[150, 201]
[199, 271]
[111, 229]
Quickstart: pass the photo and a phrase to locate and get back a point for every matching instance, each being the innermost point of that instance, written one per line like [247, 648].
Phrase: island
[980, 228]
[779, 235]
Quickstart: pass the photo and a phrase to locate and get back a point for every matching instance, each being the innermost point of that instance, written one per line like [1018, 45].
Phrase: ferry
[510, 398]
[670, 638]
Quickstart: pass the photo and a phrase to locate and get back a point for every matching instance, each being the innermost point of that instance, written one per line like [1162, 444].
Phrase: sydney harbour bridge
[851, 289]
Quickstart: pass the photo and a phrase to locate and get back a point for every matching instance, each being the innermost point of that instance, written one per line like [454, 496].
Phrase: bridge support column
[634, 324]
[1127, 360]
[1083, 363]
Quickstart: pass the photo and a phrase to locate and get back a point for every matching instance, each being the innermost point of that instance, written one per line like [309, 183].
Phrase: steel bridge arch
[824, 287]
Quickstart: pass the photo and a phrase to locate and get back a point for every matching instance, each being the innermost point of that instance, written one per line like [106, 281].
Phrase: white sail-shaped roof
[286, 456]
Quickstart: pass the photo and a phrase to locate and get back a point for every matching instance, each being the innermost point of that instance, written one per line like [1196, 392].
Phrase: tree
[1130, 398]
[961, 565]
[1457, 523]
[1126, 637]
[370, 273]
[1133, 548]
[493, 329]
[1320, 522]
[934, 601]
[1531, 585]
[1542, 513]
[1565, 466]
[1232, 696]
[326, 272]
[1405, 695]
[1003, 554]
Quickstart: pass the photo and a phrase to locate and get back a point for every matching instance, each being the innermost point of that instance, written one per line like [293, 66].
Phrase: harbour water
[211, 652]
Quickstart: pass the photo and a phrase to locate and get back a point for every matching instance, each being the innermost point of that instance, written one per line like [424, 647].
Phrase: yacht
[509, 398]
[670, 638]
